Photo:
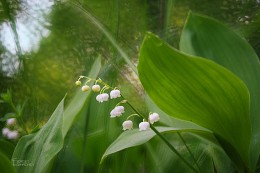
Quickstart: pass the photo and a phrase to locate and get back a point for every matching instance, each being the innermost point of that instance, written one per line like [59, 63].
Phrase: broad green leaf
[169, 120]
[135, 137]
[198, 90]
[205, 37]
[205, 151]
[5, 164]
[41, 148]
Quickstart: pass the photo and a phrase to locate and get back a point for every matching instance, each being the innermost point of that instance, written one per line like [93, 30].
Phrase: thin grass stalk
[183, 141]
[164, 140]
[167, 18]
[83, 156]
[106, 32]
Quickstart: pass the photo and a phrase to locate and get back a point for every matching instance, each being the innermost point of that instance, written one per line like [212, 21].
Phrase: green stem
[23, 124]
[123, 101]
[19, 117]
[182, 139]
[83, 156]
[132, 116]
[103, 83]
[172, 148]
[106, 86]
[164, 140]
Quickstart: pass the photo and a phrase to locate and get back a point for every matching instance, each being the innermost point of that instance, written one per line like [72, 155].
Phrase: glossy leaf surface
[198, 90]
[135, 137]
[203, 36]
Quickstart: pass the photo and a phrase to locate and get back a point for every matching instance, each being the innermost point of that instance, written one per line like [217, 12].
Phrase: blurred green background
[46, 44]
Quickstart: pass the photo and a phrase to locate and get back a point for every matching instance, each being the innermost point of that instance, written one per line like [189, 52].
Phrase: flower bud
[127, 125]
[11, 122]
[96, 88]
[154, 117]
[115, 94]
[78, 83]
[85, 88]
[144, 126]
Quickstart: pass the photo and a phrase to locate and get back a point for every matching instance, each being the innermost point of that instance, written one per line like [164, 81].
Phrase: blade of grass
[105, 31]
[168, 12]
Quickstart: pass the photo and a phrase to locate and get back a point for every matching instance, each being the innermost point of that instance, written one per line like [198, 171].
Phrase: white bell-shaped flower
[154, 117]
[5, 131]
[144, 126]
[115, 94]
[117, 111]
[85, 88]
[13, 135]
[11, 121]
[96, 88]
[127, 125]
[102, 97]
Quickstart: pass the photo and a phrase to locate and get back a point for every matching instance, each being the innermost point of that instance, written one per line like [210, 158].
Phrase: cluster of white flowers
[7, 132]
[104, 96]
[101, 97]
[118, 109]
[154, 117]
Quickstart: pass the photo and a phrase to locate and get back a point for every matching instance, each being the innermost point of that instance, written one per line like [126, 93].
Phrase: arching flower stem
[130, 116]
[164, 140]
[182, 139]
[122, 101]
[106, 87]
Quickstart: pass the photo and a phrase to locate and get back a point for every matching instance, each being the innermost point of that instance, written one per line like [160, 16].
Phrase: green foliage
[6, 148]
[17, 109]
[208, 155]
[201, 91]
[69, 36]
[6, 151]
[134, 137]
[103, 29]
[197, 90]
[230, 50]
[6, 164]
[41, 148]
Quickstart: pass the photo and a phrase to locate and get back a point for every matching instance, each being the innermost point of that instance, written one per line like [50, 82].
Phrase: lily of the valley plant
[119, 109]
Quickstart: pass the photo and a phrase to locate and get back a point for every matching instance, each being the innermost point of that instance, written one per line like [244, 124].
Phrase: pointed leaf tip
[198, 90]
